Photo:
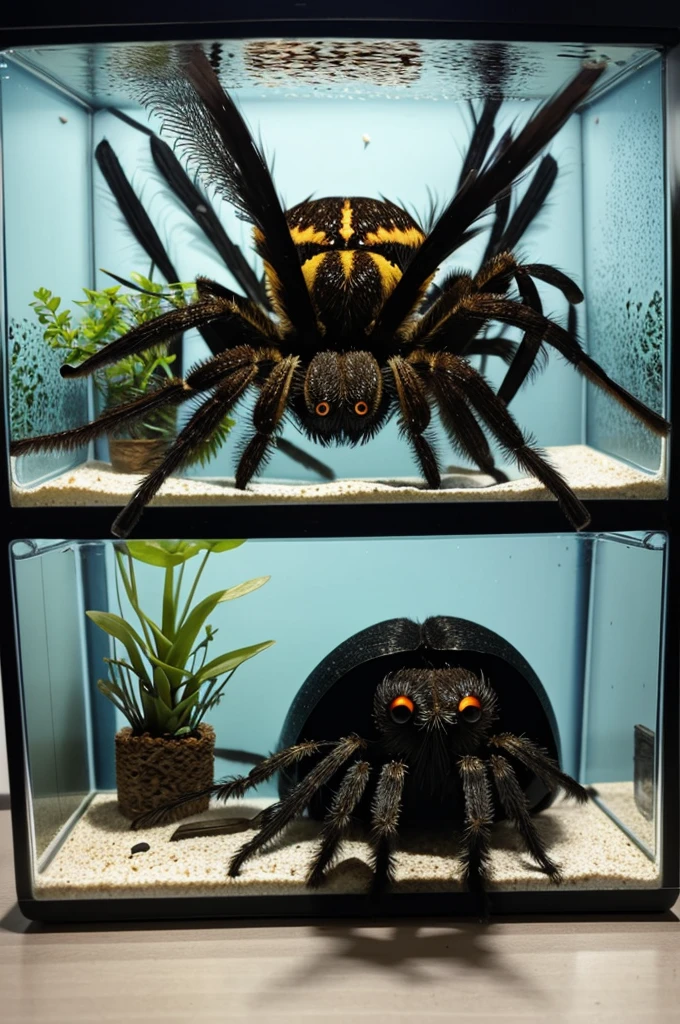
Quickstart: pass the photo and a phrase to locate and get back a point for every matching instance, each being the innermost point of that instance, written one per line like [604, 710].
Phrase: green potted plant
[161, 678]
[107, 314]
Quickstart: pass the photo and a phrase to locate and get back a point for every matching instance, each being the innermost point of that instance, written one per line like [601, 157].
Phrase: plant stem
[178, 589]
[169, 603]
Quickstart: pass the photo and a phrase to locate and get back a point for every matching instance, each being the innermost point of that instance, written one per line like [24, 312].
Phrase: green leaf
[151, 718]
[162, 687]
[118, 628]
[186, 637]
[107, 688]
[175, 673]
[228, 662]
[163, 553]
[218, 545]
[186, 705]
[163, 645]
[208, 449]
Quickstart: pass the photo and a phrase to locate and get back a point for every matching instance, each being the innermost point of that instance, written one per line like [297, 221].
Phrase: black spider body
[339, 698]
[436, 752]
[435, 743]
[352, 334]
[352, 252]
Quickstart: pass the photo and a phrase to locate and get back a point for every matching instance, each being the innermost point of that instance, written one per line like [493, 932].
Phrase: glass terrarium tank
[587, 617]
[90, 203]
[388, 298]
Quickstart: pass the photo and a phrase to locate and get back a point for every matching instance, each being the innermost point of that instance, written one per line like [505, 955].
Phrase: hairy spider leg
[173, 392]
[414, 418]
[385, 811]
[215, 303]
[455, 383]
[507, 231]
[279, 815]
[238, 369]
[267, 418]
[154, 332]
[496, 307]
[494, 277]
[540, 763]
[476, 837]
[222, 142]
[482, 137]
[524, 363]
[504, 348]
[516, 807]
[479, 191]
[463, 430]
[338, 820]
[236, 787]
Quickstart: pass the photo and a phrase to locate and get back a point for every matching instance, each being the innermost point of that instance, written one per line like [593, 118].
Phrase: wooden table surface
[606, 970]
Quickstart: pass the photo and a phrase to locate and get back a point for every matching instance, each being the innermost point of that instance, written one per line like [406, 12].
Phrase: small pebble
[139, 848]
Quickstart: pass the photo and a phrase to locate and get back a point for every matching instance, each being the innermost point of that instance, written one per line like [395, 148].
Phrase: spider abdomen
[352, 251]
[355, 222]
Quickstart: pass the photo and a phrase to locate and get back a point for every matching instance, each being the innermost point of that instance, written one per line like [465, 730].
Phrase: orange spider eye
[401, 709]
[470, 708]
[322, 409]
[361, 408]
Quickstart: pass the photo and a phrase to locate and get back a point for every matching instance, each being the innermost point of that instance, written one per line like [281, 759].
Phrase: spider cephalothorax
[355, 333]
[434, 736]
[419, 710]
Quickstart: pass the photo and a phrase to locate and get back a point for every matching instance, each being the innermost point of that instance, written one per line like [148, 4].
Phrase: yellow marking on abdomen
[389, 274]
[412, 237]
[346, 229]
[308, 234]
[310, 268]
[347, 260]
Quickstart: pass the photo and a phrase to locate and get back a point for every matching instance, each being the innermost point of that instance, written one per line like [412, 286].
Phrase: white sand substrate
[96, 860]
[590, 473]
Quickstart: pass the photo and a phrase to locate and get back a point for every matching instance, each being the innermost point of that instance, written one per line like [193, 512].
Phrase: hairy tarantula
[434, 738]
[355, 335]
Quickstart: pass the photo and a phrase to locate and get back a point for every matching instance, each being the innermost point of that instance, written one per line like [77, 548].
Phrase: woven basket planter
[136, 456]
[153, 770]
